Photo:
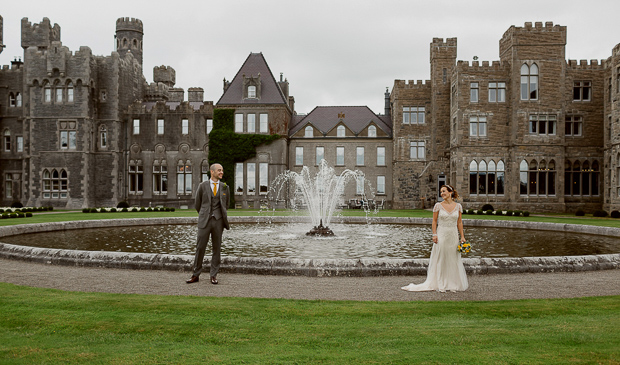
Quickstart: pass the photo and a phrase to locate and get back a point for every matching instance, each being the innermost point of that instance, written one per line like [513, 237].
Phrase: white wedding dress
[445, 269]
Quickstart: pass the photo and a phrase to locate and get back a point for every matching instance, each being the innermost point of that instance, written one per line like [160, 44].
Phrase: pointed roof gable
[356, 118]
[270, 92]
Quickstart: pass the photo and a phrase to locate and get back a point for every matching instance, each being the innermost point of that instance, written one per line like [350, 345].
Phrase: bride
[445, 269]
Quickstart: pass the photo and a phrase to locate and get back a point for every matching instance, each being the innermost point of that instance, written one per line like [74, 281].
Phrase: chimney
[387, 101]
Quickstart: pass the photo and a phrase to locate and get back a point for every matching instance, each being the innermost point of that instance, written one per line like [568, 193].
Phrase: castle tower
[39, 35]
[165, 75]
[129, 34]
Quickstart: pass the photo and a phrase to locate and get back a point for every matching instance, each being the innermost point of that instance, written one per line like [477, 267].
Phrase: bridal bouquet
[464, 247]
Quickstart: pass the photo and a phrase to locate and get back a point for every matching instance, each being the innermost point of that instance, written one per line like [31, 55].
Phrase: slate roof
[270, 91]
[356, 118]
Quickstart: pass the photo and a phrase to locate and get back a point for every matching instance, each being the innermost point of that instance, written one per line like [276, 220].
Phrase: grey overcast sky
[333, 52]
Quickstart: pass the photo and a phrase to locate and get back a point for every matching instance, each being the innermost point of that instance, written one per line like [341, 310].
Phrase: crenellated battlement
[129, 24]
[39, 35]
[464, 66]
[443, 49]
[164, 74]
[410, 84]
[616, 50]
[156, 91]
[584, 65]
[538, 27]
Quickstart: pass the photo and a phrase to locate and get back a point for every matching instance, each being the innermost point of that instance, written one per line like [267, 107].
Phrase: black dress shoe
[193, 279]
[213, 280]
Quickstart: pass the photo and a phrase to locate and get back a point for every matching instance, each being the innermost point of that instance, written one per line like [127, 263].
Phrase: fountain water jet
[320, 193]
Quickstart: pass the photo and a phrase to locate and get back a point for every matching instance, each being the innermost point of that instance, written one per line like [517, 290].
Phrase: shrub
[122, 204]
[124, 210]
[143, 209]
[479, 212]
[113, 210]
[16, 205]
[487, 207]
[134, 209]
[526, 214]
[599, 213]
[28, 215]
[615, 214]
[13, 215]
[580, 213]
[489, 212]
[509, 213]
[171, 209]
[103, 210]
[5, 215]
[1, 211]
[85, 210]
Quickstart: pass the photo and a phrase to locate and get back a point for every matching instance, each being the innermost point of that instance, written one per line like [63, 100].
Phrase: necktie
[214, 189]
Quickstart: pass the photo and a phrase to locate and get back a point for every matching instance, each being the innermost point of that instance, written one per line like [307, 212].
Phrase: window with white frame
[359, 161]
[299, 156]
[239, 179]
[380, 156]
[204, 168]
[12, 102]
[581, 178]
[184, 178]
[184, 126]
[58, 94]
[209, 123]
[103, 137]
[497, 92]
[136, 177]
[18, 99]
[529, 82]
[372, 131]
[542, 124]
[474, 92]
[537, 178]
[263, 178]
[582, 91]
[573, 125]
[20, 143]
[251, 123]
[264, 123]
[339, 156]
[380, 184]
[477, 126]
[238, 123]
[251, 179]
[486, 179]
[340, 131]
[8, 185]
[160, 178]
[160, 126]
[308, 132]
[136, 126]
[47, 92]
[70, 92]
[414, 115]
[68, 135]
[7, 140]
[320, 154]
[359, 185]
[417, 150]
[252, 92]
[55, 183]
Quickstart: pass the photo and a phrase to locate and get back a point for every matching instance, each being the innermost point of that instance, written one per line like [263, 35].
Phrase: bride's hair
[455, 195]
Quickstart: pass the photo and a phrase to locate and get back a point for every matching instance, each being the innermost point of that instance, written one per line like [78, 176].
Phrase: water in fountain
[320, 194]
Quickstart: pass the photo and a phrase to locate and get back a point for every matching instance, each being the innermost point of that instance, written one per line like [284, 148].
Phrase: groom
[211, 203]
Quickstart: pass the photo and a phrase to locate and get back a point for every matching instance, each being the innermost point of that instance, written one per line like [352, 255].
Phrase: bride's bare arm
[434, 226]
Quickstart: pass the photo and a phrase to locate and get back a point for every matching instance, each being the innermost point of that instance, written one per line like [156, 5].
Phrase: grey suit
[212, 219]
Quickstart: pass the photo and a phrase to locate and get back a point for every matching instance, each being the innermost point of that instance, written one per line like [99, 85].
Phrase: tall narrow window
[239, 179]
[47, 90]
[8, 185]
[238, 123]
[70, 92]
[582, 91]
[417, 150]
[136, 126]
[251, 123]
[473, 92]
[263, 178]
[264, 123]
[299, 156]
[58, 94]
[380, 156]
[372, 131]
[12, 101]
[339, 156]
[103, 137]
[340, 131]
[380, 184]
[573, 125]
[20, 143]
[497, 92]
[184, 126]
[55, 184]
[68, 139]
[7, 140]
[160, 126]
[529, 82]
[160, 179]
[477, 126]
[320, 155]
[359, 185]
[136, 178]
[205, 170]
[209, 123]
[18, 99]
[184, 178]
[309, 132]
[252, 92]
[251, 178]
[359, 156]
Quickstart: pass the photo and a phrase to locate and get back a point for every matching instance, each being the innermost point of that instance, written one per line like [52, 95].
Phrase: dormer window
[372, 131]
[309, 132]
[340, 131]
[252, 92]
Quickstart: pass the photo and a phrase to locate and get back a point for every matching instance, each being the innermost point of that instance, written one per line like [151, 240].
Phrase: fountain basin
[309, 267]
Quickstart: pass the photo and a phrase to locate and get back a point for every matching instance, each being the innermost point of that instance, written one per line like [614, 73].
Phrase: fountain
[321, 193]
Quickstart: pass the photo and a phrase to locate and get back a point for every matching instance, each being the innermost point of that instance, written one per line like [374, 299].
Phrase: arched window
[582, 179]
[47, 93]
[160, 177]
[523, 167]
[372, 131]
[55, 184]
[103, 137]
[7, 140]
[500, 177]
[529, 82]
[70, 92]
[184, 177]
[18, 99]
[473, 177]
[252, 92]
[12, 100]
[486, 179]
[136, 177]
[309, 132]
[340, 131]
[537, 178]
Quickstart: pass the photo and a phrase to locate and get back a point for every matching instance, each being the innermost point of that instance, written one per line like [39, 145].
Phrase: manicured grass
[51, 326]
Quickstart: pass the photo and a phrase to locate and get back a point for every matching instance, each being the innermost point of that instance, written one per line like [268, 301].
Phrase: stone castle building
[531, 131]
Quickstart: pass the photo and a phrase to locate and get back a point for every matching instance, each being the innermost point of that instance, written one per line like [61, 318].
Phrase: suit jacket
[203, 202]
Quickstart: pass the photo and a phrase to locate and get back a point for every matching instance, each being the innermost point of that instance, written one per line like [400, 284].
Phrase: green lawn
[51, 326]
[44, 326]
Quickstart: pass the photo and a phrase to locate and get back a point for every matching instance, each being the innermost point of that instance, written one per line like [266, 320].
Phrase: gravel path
[385, 288]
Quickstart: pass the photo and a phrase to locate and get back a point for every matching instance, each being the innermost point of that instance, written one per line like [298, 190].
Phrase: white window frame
[264, 123]
[381, 185]
[417, 150]
[571, 123]
[299, 156]
[359, 156]
[497, 92]
[340, 156]
[209, 125]
[251, 121]
[478, 126]
[380, 156]
[160, 126]
[548, 121]
[184, 126]
[238, 123]
[239, 187]
[136, 127]
[341, 131]
[474, 92]
[250, 178]
[530, 87]
[320, 154]
[263, 178]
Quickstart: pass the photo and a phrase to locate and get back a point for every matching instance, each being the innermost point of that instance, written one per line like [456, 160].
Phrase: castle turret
[129, 34]
[39, 35]
[165, 75]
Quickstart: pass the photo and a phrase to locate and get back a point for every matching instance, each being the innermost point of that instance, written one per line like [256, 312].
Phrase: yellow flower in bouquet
[464, 247]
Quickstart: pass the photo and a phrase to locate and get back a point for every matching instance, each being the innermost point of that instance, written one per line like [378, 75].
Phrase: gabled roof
[270, 90]
[356, 118]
